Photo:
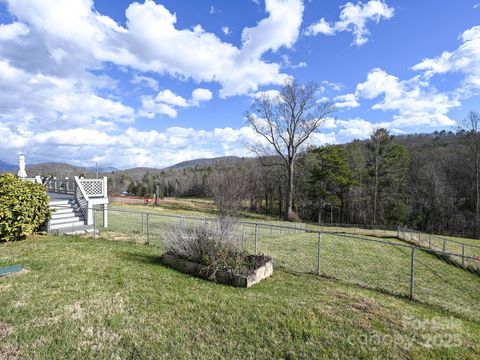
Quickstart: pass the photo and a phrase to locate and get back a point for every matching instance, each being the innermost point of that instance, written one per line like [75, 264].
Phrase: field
[85, 298]
[109, 297]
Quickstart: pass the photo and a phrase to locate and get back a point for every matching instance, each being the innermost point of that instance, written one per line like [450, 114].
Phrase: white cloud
[320, 27]
[132, 147]
[347, 101]
[465, 59]
[415, 101]
[201, 95]
[288, 64]
[356, 128]
[145, 81]
[170, 98]
[42, 102]
[12, 31]
[271, 94]
[55, 102]
[226, 30]
[354, 18]
[280, 29]
[167, 102]
[85, 39]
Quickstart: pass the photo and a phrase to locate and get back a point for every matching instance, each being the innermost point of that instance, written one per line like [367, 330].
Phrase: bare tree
[472, 127]
[285, 123]
[228, 189]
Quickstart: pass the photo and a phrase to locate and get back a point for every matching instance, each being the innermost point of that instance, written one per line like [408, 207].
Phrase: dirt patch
[363, 304]
[5, 329]
[8, 352]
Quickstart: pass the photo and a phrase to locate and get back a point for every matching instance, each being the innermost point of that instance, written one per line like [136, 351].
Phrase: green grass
[85, 298]
[359, 262]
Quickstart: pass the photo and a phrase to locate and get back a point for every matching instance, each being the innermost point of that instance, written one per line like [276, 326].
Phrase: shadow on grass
[142, 258]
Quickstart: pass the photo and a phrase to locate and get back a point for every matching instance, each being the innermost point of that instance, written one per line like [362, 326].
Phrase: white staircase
[67, 217]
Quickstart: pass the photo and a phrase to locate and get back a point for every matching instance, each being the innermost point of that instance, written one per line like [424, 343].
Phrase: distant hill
[203, 161]
[6, 167]
[61, 170]
[102, 169]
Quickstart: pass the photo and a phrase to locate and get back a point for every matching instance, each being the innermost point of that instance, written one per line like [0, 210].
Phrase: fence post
[444, 244]
[429, 241]
[412, 272]
[148, 232]
[463, 255]
[318, 252]
[256, 237]
[398, 232]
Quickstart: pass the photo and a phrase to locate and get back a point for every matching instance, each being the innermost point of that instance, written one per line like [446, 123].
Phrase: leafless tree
[229, 189]
[285, 123]
[472, 127]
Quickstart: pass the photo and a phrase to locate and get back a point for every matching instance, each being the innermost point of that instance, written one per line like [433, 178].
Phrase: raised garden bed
[260, 267]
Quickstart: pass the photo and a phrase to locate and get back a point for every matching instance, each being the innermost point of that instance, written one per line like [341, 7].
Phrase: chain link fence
[463, 254]
[390, 265]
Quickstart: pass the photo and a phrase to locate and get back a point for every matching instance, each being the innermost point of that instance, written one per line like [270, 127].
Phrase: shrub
[228, 188]
[214, 244]
[24, 207]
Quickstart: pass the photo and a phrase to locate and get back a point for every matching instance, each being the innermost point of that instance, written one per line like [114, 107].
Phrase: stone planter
[221, 276]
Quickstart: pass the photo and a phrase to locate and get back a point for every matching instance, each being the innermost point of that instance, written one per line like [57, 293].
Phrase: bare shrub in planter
[213, 250]
[214, 244]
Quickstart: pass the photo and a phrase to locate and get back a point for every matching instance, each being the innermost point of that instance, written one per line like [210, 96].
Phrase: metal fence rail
[466, 255]
[389, 265]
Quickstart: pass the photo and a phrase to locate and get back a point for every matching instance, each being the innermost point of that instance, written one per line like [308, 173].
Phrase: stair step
[78, 230]
[64, 209]
[61, 202]
[66, 225]
[65, 220]
[66, 214]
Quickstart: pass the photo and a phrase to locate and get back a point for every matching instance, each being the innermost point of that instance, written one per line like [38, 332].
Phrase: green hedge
[23, 208]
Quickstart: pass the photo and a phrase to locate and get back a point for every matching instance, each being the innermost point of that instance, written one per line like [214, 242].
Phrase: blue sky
[157, 82]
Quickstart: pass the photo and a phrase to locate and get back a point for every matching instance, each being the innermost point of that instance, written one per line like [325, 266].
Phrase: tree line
[428, 182]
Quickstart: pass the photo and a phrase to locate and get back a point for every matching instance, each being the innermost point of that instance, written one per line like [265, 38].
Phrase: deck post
[105, 215]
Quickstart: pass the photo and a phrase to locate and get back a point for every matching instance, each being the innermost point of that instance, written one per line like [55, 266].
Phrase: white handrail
[83, 200]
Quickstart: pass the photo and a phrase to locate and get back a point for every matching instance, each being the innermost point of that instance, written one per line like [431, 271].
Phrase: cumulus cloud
[145, 81]
[80, 146]
[166, 102]
[60, 94]
[226, 30]
[415, 101]
[152, 42]
[347, 101]
[41, 102]
[465, 60]
[354, 19]
[12, 31]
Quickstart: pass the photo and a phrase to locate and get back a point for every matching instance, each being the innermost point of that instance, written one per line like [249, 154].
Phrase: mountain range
[64, 169]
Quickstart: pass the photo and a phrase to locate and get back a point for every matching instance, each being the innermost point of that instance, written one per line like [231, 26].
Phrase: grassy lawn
[185, 206]
[85, 298]
[354, 260]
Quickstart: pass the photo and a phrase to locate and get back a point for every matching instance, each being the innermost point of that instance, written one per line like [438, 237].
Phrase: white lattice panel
[92, 187]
